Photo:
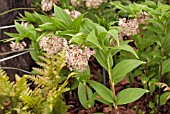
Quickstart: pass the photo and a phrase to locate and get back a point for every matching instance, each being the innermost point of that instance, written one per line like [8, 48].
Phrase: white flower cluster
[46, 5]
[130, 27]
[74, 14]
[89, 3]
[17, 46]
[76, 57]
[94, 3]
[52, 44]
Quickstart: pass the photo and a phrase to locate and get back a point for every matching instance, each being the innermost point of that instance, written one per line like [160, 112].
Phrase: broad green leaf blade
[79, 38]
[100, 56]
[126, 48]
[103, 91]
[114, 33]
[43, 18]
[47, 26]
[166, 66]
[93, 39]
[67, 33]
[32, 17]
[164, 98]
[87, 26]
[124, 67]
[120, 6]
[129, 95]
[102, 100]
[20, 28]
[82, 96]
[75, 25]
[99, 28]
[62, 15]
[59, 24]
[12, 34]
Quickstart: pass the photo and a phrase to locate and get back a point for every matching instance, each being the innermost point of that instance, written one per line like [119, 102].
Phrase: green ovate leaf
[124, 67]
[126, 48]
[59, 24]
[166, 66]
[82, 96]
[93, 39]
[164, 98]
[100, 56]
[47, 26]
[20, 28]
[114, 33]
[75, 25]
[130, 95]
[62, 15]
[103, 91]
[12, 34]
[78, 38]
[87, 26]
[43, 18]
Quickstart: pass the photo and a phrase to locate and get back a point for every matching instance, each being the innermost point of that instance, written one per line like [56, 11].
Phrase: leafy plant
[46, 97]
[151, 42]
[82, 32]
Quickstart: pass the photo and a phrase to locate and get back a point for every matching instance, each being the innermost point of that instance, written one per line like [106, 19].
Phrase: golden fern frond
[21, 86]
[45, 58]
[28, 101]
[39, 80]
[6, 87]
[39, 71]
[56, 103]
[42, 64]
[61, 60]
[51, 65]
[163, 85]
[2, 72]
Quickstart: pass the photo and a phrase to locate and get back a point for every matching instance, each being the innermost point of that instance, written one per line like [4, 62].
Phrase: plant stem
[112, 86]
[8, 11]
[159, 90]
[87, 97]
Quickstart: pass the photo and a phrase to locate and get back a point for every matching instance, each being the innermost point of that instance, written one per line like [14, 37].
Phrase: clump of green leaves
[83, 32]
[151, 43]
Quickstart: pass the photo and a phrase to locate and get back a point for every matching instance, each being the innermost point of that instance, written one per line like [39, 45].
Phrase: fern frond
[39, 80]
[40, 71]
[55, 102]
[42, 64]
[61, 60]
[2, 72]
[28, 101]
[45, 58]
[6, 87]
[22, 88]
